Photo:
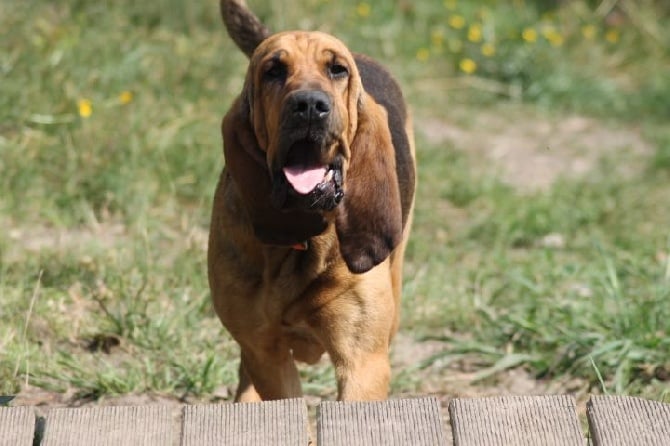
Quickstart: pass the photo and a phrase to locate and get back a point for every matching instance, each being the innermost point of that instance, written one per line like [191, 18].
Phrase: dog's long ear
[246, 164]
[369, 220]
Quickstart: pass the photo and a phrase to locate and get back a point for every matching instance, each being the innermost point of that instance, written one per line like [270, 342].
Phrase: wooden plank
[623, 421]
[279, 423]
[399, 422]
[515, 421]
[111, 426]
[17, 426]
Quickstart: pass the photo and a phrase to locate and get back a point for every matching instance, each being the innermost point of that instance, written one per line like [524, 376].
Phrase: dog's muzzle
[304, 176]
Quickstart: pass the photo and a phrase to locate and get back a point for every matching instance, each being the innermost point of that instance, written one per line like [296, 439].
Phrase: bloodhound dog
[311, 213]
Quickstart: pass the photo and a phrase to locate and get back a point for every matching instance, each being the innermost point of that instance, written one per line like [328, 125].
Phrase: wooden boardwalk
[496, 421]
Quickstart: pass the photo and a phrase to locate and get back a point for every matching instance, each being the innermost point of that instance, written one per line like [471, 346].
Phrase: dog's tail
[243, 26]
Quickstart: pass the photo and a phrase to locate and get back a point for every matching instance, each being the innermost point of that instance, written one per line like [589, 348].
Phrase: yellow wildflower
[126, 97]
[363, 9]
[468, 66]
[554, 37]
[456, 21]
[612, 36]
[589, 32]
[475, 33]
[529, 35]
[450, 4]
[422, 54]
[85, 107]
[488, 49]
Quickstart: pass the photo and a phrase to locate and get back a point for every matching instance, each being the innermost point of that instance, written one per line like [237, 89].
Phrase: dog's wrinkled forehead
[299, 48]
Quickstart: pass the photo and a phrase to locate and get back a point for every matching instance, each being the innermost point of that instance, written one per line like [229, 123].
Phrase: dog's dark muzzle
[307, 174]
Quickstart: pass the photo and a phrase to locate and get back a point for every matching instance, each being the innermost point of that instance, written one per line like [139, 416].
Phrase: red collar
[302, 246]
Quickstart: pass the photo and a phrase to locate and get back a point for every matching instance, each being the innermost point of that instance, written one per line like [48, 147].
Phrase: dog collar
[302, 246]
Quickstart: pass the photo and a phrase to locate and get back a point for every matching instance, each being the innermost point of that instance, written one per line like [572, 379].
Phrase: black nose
[310, 105]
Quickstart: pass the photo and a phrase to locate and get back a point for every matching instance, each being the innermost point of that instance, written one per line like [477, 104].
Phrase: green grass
[105, 217]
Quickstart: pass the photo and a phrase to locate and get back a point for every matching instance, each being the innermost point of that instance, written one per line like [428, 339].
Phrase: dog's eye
[337, 71]
[276, 71]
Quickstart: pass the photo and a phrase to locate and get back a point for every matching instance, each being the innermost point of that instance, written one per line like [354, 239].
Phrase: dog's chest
[294, 287]
[293, 277]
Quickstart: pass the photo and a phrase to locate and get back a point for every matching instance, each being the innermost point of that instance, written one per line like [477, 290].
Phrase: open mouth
[304, 167]
[313, 179]
[305, 179]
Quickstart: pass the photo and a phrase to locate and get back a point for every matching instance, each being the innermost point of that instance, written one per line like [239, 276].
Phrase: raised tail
[243, 26]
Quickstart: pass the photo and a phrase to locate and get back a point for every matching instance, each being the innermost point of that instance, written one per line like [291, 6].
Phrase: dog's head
[302, 90]
[305, 139]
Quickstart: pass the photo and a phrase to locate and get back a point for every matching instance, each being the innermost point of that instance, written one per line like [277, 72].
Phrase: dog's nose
[310, 105]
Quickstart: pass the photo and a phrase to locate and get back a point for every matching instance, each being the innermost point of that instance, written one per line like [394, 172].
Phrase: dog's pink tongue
[304, 180]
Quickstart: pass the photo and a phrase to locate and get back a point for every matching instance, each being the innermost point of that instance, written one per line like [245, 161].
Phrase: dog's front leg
[267, 375]
[356, 328]
[246, 392]
[362, 376]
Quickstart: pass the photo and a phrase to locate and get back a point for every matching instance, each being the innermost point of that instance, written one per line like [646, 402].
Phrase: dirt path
[530, 151]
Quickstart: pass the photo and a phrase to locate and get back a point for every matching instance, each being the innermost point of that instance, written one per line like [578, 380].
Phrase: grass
[109, 134]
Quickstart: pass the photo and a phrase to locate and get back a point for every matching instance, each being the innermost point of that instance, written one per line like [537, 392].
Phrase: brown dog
[312, 212]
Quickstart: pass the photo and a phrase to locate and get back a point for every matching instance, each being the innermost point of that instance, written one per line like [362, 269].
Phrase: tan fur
[284, 305]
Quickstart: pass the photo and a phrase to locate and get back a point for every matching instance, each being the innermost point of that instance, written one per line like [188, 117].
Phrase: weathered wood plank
[515, 421]
[624, 421]
[400, 422]
[17, 426]
[111, 426]
[279, 423]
